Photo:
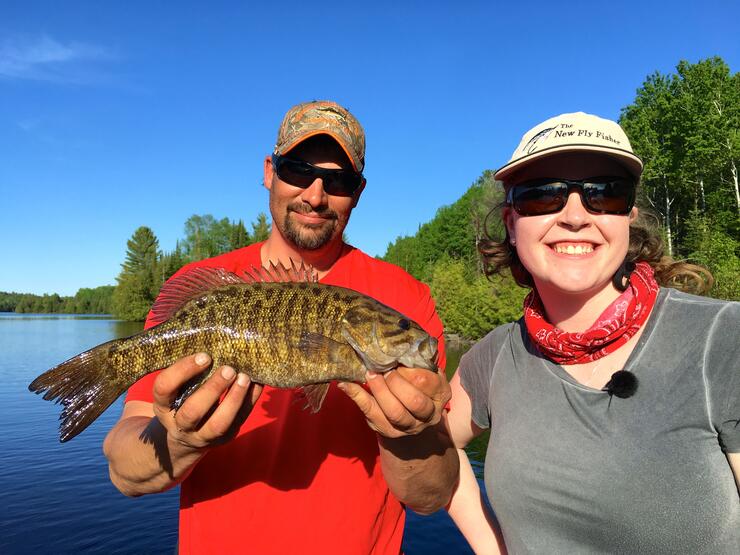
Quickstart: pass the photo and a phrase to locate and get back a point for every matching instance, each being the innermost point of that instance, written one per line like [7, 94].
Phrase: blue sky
[120, 114]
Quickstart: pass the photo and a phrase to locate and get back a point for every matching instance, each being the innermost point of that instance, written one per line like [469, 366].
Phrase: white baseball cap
[575, 132]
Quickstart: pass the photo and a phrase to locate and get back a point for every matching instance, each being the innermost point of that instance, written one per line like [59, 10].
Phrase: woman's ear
[508, 215]
[633, 214]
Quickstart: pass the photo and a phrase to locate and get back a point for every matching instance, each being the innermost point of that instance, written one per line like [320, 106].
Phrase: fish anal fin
[315, 395]
[181, 289]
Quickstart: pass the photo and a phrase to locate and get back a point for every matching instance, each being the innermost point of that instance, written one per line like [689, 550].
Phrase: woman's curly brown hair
[645, 245]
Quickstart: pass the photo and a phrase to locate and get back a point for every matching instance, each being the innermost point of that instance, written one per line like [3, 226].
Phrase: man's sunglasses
[602, 195]
[342, 183]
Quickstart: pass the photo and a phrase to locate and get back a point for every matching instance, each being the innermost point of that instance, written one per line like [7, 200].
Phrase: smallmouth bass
[277, 325]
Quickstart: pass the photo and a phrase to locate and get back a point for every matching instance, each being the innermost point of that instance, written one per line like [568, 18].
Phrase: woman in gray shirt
[614, 403]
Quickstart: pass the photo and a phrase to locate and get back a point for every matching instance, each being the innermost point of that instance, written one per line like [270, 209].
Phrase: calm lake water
[57, 498]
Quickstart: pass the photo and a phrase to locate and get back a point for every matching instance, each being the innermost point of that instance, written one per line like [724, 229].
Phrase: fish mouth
[422, 354]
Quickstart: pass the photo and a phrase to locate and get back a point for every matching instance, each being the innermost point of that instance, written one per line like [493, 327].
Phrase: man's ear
[358, 192]
[268, 173]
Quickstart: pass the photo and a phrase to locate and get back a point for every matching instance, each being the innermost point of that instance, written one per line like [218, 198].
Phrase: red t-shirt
[293, 481]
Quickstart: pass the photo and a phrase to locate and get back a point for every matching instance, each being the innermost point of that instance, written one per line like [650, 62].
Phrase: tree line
[145, 269]
[85, 301]
[685, 127]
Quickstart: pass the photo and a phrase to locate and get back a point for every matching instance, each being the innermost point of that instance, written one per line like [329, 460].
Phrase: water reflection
[125, 329]
[33, 316]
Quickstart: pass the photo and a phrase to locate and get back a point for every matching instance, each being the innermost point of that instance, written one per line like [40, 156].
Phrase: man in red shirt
[258, 474]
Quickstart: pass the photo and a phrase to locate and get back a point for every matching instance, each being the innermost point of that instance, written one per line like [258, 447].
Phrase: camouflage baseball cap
[323, 117]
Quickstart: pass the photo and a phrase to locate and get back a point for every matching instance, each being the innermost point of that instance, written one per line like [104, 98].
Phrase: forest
[684, 125]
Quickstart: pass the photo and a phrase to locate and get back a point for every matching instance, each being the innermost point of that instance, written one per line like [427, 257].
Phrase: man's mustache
[303, 208]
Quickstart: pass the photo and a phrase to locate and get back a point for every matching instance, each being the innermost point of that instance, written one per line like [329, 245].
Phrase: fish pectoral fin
[315, 395]
[320, 347]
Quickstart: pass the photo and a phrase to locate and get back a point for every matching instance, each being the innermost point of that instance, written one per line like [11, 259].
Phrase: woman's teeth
[573, 249]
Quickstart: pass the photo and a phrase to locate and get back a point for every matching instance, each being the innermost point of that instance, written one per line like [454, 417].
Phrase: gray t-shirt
[569, 470]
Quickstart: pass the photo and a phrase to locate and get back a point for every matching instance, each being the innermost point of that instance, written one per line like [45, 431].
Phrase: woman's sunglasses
[342, 183]
[602, 195]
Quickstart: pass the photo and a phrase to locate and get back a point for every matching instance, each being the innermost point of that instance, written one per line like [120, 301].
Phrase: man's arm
[405, 408]
[153, 448]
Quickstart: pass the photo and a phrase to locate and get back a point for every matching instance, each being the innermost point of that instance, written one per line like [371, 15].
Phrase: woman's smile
[571, 248]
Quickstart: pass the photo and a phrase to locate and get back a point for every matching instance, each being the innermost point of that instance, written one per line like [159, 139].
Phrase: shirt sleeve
[475, 377]
[722, 371]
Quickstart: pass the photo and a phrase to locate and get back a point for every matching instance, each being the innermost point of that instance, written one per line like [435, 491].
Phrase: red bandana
[616, 325]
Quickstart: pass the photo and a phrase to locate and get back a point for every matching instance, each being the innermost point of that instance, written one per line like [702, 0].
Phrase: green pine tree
[239, 237]
[138, 282]
[260, 228]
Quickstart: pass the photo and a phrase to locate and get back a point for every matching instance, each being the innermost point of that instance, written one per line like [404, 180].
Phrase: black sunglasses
[342, 183]
[602, 195]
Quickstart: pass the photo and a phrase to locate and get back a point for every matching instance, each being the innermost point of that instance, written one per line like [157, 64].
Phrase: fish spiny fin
[181, 289]
[315, 395]
[278, 273]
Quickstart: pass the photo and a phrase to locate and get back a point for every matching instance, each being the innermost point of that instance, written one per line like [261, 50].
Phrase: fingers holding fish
[404, 405]
[171, 379]
[432, 384]
[224, 422]
[395, 407]
[198, 423]
[196, 408]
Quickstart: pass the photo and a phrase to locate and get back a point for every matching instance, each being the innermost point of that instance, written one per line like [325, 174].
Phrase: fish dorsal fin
[278, 273]
[181, 289]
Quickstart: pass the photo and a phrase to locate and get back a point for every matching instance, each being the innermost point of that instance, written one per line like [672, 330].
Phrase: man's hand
[401, 402]
[202, 421]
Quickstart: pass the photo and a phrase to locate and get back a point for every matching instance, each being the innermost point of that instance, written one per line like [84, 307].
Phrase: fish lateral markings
[278, 325]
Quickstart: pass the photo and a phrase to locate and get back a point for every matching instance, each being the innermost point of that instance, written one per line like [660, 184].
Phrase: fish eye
[404, 324]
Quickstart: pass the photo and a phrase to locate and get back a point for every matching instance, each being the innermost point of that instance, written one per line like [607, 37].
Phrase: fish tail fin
[86, 385]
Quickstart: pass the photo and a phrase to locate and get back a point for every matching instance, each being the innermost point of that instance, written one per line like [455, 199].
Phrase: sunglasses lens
[342, 183]
[539, 199]
[295, 172]
[302, 174]
[612, 196]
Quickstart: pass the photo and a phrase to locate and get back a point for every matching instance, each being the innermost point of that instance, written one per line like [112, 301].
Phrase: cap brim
[631, 162]
[295, 142]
